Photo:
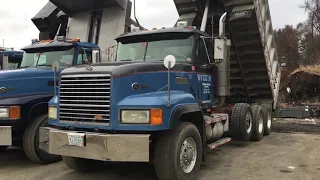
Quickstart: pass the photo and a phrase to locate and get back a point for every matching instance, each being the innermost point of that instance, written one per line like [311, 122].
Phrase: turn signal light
[76, 40]
[156, 116]
[14, 112]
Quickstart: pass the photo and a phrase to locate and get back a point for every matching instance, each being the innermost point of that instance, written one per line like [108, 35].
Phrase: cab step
[215, 117]
[219, 143]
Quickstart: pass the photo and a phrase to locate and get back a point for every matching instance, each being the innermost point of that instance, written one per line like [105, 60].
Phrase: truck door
[204, 71]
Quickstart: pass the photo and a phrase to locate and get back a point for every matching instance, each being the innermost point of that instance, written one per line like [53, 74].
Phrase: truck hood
[125, 68]
[26, 81]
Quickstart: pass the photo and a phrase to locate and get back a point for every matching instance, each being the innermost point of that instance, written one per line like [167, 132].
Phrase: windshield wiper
[24, 67]
[44, 65]
[126, 60]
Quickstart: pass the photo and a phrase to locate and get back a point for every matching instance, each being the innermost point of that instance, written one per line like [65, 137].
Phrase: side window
[201, 53]
[84, 56]
[209, 45]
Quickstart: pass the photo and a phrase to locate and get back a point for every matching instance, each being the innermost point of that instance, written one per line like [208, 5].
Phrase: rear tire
[81, 165]
[178, 153]
[267, 119]
[31, 142]
[257, 123]
[241, 122]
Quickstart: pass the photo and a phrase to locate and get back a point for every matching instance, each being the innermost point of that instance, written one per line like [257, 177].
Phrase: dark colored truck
[171, 93]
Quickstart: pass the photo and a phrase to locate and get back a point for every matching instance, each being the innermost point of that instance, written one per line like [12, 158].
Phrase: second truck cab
[25, 92]
[10, 59]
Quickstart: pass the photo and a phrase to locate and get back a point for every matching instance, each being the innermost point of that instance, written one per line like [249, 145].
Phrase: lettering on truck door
[204, 71]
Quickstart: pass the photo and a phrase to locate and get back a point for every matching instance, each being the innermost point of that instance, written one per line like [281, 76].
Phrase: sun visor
[75, 6]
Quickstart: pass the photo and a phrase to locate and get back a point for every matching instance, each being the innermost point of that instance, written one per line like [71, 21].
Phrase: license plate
[76, 139]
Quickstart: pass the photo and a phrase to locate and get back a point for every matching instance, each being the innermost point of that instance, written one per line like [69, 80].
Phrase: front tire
[178, 153]
[31, 142]
[258, 123]
[241, 122]
[81, 165]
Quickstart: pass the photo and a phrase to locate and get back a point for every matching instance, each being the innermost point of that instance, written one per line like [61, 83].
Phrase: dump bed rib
[255, 72]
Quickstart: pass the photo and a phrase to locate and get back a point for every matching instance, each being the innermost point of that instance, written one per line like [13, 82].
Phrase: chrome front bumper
[5, 136]
[97, 146]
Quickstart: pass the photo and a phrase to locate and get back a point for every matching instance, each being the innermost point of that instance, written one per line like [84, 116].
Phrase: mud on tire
[241, 122]
[173, 156]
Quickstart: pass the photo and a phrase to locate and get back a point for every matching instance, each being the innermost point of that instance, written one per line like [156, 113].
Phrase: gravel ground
[285, 156]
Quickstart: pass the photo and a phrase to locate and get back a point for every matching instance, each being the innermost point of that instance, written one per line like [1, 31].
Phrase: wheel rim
[248, 122]
[188, 155]
[269, 120]
[260, 123]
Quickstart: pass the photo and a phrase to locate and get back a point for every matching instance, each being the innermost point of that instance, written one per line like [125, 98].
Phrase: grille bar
[85, 99]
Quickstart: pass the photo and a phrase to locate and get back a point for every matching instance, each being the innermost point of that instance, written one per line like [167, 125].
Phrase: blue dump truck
[172, 92]
[10, 59]
[25, 92]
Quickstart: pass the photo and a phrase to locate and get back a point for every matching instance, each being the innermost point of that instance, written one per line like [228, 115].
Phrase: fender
[39, 106]
[179, 110]
[28, 102]
[24, 98]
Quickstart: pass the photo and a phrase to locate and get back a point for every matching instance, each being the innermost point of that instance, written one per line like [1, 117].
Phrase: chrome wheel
[260, 123]
[188, 155]
[248, 122]
[269, 119]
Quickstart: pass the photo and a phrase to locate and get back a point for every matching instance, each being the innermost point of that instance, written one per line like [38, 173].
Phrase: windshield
[156, 50]
[46, 59]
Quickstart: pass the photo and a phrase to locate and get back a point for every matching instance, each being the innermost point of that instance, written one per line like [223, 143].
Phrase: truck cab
[25, 92]
[10, 59]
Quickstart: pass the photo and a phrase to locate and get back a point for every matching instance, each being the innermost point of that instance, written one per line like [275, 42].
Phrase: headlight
[152, 116]
[135, 116]
[52, 112]
[4, 112]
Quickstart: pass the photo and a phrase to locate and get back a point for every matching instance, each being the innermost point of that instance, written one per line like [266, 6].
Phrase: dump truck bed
[255, 72]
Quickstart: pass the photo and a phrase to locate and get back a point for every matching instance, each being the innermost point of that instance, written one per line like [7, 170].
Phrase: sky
[17, 29]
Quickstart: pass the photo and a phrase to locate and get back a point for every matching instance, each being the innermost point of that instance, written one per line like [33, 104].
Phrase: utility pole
[3, 43]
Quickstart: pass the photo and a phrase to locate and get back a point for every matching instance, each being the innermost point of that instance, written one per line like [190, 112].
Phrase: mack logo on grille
[98, 117]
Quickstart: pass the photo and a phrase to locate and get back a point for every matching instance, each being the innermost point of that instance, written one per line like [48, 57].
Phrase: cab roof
[13, 54]
[55, 43]
[162, 31]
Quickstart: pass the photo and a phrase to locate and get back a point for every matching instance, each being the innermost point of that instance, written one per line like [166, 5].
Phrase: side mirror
[169, 61]
[5, 62]
[55, 67]
[95, 56]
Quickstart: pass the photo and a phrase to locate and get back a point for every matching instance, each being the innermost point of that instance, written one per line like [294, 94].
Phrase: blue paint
[31, 87]
[13, 54]
[124, 97]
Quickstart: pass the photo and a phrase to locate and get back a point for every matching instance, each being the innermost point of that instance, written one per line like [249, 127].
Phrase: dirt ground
[285, 156]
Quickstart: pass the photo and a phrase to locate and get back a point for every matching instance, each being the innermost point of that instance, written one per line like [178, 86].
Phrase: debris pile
[302, 86]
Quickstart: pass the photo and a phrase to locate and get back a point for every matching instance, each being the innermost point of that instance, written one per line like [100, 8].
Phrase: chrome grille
[85, 99]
